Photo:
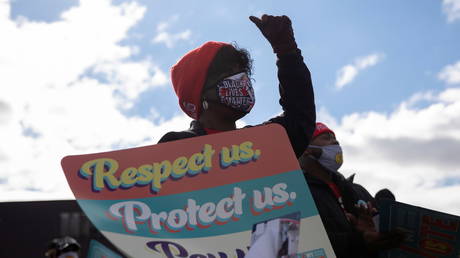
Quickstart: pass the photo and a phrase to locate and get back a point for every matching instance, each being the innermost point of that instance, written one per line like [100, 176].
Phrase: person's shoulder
[359, 187]
[195, 130]
[173, 136]
[314, 182]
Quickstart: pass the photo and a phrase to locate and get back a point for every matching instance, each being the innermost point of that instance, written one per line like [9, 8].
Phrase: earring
[205, 105]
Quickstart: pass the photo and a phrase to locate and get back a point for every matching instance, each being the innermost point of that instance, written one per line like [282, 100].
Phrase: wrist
[291, 52]
[286, 48]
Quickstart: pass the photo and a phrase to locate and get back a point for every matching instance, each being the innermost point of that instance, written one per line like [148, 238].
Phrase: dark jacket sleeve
[297, 101]
[345, 240]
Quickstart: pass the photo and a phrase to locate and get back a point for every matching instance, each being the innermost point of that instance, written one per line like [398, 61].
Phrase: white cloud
[170, 39]
[323, 116]
[450, 74]
[5, 113]
[50, 107]
[452, 9]
[55, 53]
[167, 38]
[132, 78]
[347, 74]
[411, 151]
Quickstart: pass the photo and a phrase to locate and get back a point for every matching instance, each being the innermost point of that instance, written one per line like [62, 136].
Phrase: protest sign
[200, 197]
[429, 233]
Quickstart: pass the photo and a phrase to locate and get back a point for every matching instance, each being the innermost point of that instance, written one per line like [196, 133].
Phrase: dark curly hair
[225, 60]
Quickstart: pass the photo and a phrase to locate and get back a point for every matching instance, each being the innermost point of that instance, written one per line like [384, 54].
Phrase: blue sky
[413, 39]
[87, 76]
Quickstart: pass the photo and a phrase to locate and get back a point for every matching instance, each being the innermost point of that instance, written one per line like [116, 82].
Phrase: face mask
[331, 157]
[236, 92]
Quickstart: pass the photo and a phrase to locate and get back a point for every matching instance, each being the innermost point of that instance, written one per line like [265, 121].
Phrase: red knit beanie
[321, 128]
[189, 74]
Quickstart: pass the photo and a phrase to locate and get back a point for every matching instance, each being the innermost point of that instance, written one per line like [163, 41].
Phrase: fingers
[256, 21]
[366, 208]
[278, 31]
[362, 209]
[264, 20]
[260, 23]
[361, 204]
[351, 218]
[371, 207]
[286, 19]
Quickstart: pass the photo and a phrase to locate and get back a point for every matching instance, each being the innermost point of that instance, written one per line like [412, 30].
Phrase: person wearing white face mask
[349, 224]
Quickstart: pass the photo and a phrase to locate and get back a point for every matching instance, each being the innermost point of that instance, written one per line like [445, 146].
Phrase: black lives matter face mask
[236, 92]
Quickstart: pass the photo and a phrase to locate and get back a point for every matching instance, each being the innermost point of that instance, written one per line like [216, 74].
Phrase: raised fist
[278, 31]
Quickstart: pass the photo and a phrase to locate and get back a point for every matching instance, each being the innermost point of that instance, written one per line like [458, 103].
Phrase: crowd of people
[213, 85]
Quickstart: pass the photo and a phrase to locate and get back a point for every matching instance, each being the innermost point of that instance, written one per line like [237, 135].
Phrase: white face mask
[331, 157]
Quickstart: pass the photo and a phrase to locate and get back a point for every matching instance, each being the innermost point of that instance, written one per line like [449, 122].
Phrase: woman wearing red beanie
[214, 87]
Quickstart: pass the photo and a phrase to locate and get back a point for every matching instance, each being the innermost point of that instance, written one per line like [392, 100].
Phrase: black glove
[278, 31]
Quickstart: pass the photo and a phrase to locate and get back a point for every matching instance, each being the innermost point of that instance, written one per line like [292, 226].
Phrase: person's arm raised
[295, 86]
